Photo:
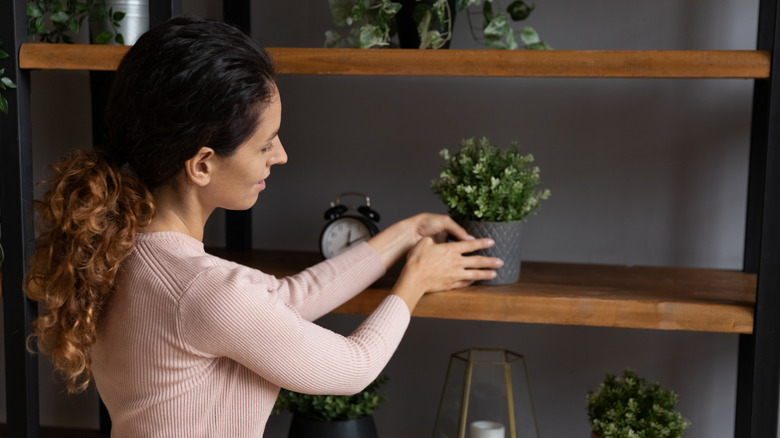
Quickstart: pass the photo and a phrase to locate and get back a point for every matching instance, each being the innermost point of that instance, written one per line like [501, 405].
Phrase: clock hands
[351, 242]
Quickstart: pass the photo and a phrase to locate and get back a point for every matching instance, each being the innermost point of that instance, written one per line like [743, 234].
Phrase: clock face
[343, 233]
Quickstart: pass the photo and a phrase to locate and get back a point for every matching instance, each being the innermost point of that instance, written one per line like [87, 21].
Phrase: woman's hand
[438, 227]
[395, 241]
[432, 267]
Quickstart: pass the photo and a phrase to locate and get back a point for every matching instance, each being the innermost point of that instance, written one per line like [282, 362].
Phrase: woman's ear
[199, 169]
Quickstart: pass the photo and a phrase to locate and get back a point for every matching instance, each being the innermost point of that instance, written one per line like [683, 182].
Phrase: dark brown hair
[186, 84]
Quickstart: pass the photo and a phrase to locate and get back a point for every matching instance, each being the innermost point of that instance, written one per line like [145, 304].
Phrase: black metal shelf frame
[758, 380]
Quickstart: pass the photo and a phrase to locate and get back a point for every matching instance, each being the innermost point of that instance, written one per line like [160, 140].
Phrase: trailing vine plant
[370, 23]
[57, 21]
[497, 30]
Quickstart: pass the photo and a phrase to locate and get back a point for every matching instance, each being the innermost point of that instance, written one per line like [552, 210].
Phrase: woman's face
[239, 178]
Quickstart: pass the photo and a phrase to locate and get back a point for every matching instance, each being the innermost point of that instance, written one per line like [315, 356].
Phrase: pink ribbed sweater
[195, 346]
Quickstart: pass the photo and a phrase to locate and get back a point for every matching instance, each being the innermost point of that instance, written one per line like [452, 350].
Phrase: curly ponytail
[88, 220]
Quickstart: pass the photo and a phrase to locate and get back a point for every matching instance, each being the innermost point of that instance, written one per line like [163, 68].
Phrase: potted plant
[58, 21]
[491, 192]
[497, 30]
[629, 406]
[5, 83]
[332, 416]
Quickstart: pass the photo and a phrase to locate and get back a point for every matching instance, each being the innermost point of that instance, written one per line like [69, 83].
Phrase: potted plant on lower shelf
[629, 406]
[332, 416]
[491, 191]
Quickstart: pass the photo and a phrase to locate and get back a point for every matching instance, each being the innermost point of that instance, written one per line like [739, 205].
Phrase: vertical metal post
[238, 13]
[758, 376]
[16, 194]
[238, 224]
[162, 10]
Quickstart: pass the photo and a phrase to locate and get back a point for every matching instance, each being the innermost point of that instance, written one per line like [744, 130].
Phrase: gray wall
[642, 172]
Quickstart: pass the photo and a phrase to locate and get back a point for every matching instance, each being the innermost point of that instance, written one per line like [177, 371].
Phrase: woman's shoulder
[180, 261]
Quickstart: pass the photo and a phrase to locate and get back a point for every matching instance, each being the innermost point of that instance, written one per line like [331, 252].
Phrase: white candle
[486, 429]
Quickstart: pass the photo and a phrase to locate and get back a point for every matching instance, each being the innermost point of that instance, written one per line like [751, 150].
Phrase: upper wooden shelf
[744, 64]
[568, 294]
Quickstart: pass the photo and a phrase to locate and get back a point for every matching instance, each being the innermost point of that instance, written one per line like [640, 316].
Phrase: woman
[181, 343]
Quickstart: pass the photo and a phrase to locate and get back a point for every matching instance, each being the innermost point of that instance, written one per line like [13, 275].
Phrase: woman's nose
[281, 157]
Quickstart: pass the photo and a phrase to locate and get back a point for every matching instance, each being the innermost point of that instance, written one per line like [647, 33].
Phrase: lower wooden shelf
[566, 293]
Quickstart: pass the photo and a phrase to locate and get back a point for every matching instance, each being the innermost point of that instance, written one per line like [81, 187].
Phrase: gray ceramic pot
[509, 246]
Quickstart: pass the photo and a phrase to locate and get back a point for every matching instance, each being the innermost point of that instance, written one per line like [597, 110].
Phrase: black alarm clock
[346, 229]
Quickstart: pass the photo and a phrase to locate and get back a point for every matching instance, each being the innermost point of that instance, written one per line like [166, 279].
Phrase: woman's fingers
[439, 227]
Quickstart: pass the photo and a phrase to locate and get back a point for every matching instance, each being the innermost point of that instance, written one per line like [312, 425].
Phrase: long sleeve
[193, 345]
[258, 329]
[329, 284]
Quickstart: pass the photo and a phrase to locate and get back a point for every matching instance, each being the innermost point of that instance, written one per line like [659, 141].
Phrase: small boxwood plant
[332, 407]
[629, 406]
[483, 182]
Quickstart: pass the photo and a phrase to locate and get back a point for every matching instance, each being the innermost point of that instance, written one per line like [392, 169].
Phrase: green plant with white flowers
[629, 406]
[483, 182]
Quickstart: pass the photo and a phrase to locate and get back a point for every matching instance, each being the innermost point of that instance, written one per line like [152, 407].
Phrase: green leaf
[390, 8]
[529, 36]
[498, 27]
[59, 17]
[103, 37]
[519, 11]
[7, 82]
[118, 16]
[371, 36]
[487, 13]
[3, 53]
[340, 10]
[511, 41]
[3, 105]
[33, 11]
[333, 39]
[119, 39]
[40, 26]
[74, 26]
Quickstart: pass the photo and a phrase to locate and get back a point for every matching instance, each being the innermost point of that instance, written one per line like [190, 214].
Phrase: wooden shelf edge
[654, 298]
[573, 310]
[723, 64]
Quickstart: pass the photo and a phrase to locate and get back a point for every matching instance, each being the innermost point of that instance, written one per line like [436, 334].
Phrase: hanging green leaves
[369, 22]
[497, 29]
[5, 83]
[59, 21]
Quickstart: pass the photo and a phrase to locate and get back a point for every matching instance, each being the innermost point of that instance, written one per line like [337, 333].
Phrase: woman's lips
[260, 185]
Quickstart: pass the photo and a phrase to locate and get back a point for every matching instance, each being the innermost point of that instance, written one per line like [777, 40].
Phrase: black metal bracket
[758, 377]
[16, 195]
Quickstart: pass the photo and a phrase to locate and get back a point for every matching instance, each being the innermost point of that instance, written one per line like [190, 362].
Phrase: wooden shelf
[568, 294]
[519, 63]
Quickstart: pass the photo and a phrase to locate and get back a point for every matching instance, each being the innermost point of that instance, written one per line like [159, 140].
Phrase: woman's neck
[178, 210]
